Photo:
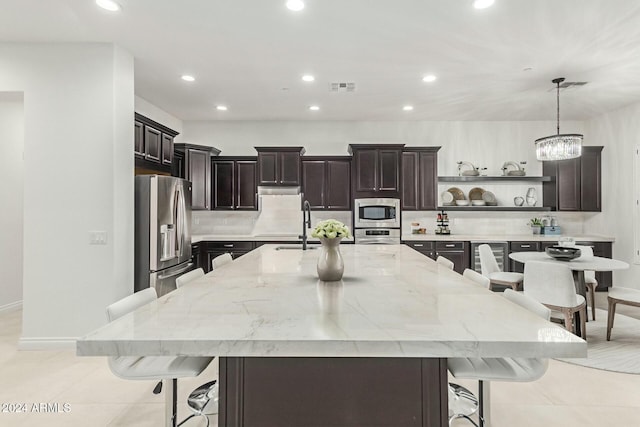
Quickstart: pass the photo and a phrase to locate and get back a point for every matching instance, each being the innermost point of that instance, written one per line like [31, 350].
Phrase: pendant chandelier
[559, 146]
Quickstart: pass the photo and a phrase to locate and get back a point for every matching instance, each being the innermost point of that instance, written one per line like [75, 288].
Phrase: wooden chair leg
[568, 320]
[592, 294]
[583, 322]
[514, 286]
[610, 316]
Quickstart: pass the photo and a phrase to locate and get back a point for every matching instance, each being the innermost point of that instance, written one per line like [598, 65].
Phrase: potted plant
[536, 225]
[330, 264]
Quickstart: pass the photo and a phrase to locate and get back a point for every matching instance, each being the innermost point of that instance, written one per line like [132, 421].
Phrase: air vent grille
[342, 87]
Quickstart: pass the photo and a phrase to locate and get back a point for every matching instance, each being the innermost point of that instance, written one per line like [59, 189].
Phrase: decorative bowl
[563, 253]
[462, 202]
[478, 203]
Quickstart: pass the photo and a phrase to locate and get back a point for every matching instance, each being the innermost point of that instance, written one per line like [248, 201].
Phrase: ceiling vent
[342, 87]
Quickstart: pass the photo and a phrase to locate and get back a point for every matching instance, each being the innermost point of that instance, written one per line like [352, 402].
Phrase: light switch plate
[97, 237]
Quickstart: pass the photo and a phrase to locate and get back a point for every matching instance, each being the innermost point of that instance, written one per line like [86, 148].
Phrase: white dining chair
[489, 268]
[553, 286]
[189, 277]
[221, 260]
[590, 281]
[156, 368]
[510, 369]
[476, 277]
[445, 262]
[620, 295]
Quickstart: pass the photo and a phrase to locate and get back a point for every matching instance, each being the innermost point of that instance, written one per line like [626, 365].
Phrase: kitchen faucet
[306, 223]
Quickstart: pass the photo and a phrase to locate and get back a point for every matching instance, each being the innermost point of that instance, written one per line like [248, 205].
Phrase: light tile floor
[568, 395]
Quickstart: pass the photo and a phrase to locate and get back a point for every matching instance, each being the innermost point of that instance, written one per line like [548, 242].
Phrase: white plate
[489, 197]
[447, 197]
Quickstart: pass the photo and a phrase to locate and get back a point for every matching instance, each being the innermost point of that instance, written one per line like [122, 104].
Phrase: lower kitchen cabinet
[195, 255]
[214, 249]
[516, 266]
[457, 252]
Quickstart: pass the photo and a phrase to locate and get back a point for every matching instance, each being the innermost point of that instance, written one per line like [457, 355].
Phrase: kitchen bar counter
[368, 350]
[474, 238]
[392, 302]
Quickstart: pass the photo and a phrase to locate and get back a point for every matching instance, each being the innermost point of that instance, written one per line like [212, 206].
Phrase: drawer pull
[418, 245]
[230, 245]
[525, 246]
[451, 245]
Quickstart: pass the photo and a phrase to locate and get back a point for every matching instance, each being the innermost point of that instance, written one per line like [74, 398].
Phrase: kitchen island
[368, 350]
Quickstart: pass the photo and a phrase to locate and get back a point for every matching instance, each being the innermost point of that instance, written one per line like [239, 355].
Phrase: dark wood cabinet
[194, 164]
[153, 146]
[214, 249]
[420, 178]
[138, 139]
[577, 185]
[456, 252]
[326, 182]
[279, 165]
[234, 183]
[516, 266]
[376, 169]
[196, 254]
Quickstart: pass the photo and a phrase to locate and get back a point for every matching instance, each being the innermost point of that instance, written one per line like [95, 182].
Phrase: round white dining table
[578, 266]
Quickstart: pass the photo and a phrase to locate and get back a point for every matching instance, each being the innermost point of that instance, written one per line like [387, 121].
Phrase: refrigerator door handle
[176, 273]
[179, 216]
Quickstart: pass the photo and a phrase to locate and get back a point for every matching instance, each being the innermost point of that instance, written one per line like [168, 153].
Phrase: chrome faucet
[306, 223]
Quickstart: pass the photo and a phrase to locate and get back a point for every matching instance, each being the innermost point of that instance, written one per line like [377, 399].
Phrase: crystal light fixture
[559, 146]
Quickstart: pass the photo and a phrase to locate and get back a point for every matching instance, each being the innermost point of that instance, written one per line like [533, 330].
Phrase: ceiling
[251, 54]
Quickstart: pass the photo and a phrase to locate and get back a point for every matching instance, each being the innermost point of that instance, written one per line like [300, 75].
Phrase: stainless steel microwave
[376, 212]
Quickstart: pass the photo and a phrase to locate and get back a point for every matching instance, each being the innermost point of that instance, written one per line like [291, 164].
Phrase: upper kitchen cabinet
[234, 183]
[153, 145]
[420, 178]
[279, 165]
[376, 170]
[326, 182]
[193, 162]
[577, 185]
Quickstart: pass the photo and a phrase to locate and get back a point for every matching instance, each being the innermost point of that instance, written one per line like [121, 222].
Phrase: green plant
[535, 222]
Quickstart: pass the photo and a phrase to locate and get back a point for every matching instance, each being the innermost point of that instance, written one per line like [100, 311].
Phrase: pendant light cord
[558, 105]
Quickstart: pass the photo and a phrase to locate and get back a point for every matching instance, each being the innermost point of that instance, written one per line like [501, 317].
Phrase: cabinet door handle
[452, 245]
[525, 246]
[418, 245]
[230, 245]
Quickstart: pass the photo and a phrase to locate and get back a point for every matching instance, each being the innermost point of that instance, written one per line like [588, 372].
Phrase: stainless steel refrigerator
[162, 231]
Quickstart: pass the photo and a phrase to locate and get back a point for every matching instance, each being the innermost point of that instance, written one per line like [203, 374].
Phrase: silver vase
[330, 263]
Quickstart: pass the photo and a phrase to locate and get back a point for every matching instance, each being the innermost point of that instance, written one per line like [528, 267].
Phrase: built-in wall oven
[376, 221]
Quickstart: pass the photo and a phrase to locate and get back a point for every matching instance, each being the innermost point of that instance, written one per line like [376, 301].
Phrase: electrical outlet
[97, 237]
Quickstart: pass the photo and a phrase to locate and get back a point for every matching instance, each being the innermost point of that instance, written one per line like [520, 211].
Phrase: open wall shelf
[496, 178]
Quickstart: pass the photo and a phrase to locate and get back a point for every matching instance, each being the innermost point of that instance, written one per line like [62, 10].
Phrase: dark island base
[332, 392]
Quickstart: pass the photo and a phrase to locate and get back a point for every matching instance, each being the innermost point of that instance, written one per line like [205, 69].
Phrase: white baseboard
[49, 343]
[10, 307]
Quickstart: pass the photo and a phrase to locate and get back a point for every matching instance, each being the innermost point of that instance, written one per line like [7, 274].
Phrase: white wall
[619, 132]
[487, 144]
[12, 178]
[149, 110]
[78, 176]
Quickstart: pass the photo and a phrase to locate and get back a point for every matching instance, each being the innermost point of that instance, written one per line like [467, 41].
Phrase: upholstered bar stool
[499, 369]
[163, 368]
[221, 260]
[624, 296]
[189, 277]
[489, 267]
[445, 262]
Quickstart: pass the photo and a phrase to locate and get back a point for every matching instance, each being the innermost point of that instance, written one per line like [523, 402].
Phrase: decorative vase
[330, 263]
[532, 197]
[535, 229]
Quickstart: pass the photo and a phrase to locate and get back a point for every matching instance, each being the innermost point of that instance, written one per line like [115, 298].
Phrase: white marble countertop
[196, 238]
[504, 237]
[392, 302]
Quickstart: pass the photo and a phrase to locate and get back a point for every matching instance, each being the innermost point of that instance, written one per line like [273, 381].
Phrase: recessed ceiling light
[221, 108]
[188, 78]
[308, 78]
[429, 78]
[483, 4]
[408, 108]
[314, 108]
[109, 5]
[295, 5]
